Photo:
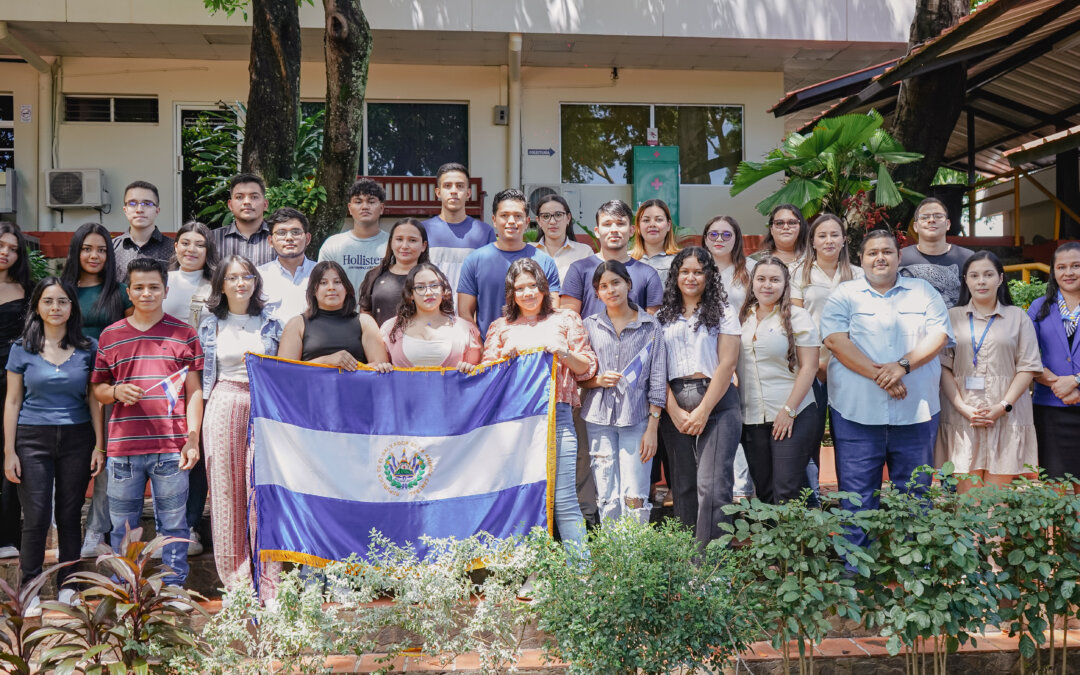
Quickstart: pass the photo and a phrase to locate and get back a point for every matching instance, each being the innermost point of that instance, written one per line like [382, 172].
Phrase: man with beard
[248, 235]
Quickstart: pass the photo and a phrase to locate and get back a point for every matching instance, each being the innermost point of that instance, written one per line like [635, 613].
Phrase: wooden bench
[415, 196]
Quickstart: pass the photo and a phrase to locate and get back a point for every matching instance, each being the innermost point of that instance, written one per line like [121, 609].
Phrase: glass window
[7, 132]
[709, 140]
[597, 141]
[110, 109]
[414, 139]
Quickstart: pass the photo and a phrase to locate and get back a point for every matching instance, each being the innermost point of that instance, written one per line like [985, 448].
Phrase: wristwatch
[1005, 404]
[906, 365]
[1077, 378]
[791, 413]
[654, 415]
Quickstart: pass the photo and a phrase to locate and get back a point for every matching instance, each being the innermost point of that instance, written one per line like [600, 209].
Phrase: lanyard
[976, 347]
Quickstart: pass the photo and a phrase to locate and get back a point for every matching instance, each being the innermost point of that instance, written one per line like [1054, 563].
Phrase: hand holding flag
[632, 372]
[173, 385]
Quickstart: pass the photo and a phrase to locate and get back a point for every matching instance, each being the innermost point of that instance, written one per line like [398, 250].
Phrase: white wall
[546, 88]
[21, 82]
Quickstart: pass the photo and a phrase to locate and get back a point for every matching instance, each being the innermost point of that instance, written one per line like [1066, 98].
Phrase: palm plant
[842, 156]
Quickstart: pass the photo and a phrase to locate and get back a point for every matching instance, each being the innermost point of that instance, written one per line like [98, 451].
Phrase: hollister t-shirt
[358, 256]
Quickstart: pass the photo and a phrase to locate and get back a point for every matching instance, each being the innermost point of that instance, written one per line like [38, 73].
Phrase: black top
[331, 332]
[12, 314]
[384, 298]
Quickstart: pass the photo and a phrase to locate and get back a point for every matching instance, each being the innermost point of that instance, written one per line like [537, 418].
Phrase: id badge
[972, 383]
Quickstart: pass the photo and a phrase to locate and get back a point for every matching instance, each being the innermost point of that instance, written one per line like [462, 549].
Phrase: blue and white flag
[408, 453]
[632, 372]
[173, 386]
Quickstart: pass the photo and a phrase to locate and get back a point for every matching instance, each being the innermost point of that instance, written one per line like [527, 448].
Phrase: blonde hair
[670, 246]
[843, 263]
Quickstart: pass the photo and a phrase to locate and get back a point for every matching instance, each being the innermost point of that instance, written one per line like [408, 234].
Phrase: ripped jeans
[621, 477]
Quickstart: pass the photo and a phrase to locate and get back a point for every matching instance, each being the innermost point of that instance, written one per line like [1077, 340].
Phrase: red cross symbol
[656, 183]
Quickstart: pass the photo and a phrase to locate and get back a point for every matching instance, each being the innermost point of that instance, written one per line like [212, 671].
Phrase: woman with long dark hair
[426, 331]
[777, 364]
[986, 427]
[15, 289]
[190, 271]
[556, 222]
[103, 300]
[703, 420]
[91, 268]
[331, 331]
[654, 236]
[529, 321]
[786, 236]
[1056, 400]
[380, 293]
[236, 322]
[622, 418]
[52, 427]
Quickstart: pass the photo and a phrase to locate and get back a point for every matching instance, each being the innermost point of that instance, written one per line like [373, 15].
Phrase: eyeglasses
[721, 235]
[554, 215]
[285, 234]
[785, 224]
[233, 278]
[927, 217]
[424, 289]
[134, 204]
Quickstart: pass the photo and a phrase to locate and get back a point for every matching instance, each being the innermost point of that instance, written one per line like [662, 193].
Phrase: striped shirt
[126, 355]
[256, 248]
[607, 405]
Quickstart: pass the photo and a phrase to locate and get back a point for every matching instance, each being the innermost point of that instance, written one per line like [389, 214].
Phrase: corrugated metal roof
[1023, 61]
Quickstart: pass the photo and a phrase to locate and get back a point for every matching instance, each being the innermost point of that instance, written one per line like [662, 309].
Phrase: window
[409, 139]
[598, 139]
[7, 132]
[137, 109]
[414, 139]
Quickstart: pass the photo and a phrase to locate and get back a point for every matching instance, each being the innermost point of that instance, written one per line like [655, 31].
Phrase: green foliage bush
[646, 599]
[1023, 294]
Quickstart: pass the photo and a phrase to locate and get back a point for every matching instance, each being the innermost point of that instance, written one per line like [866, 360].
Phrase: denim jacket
[270, 332]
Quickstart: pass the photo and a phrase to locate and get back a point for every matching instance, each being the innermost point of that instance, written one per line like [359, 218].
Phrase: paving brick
[341, 664]
[761, 651]
[837, 648]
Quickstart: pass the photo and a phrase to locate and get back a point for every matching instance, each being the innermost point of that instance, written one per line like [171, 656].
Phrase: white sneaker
[34, 608]
[9, 552]
[195, 547]
[92, 543]
[67, 597]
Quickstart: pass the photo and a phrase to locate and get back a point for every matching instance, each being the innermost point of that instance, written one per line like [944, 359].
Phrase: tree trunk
[929, 105]
[274, 95]
[347, 45]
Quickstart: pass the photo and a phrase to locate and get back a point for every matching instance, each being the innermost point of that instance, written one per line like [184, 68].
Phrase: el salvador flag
[408, 453]
[632, 372]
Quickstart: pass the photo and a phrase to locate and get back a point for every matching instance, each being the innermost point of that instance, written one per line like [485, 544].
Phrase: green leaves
[842, 156]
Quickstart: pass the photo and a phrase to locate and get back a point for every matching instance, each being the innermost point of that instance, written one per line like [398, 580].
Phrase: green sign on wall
[656, 176]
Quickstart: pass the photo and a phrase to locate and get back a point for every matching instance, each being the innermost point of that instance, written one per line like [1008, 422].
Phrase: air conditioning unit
[534, 192]
[7, 191]
[75, 188]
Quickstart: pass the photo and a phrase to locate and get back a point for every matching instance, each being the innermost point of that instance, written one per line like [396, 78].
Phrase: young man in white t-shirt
[363, 247]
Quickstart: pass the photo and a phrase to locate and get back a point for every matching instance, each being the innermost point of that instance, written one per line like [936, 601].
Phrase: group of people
[720, 366]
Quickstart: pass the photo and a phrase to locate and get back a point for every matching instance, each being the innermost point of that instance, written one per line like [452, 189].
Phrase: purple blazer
[1056, 354]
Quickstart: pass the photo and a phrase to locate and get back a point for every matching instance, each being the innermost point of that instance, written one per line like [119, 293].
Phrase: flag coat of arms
[413, 452]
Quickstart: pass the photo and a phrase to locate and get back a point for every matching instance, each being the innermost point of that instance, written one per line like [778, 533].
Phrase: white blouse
[764, 379]
[237, 334]
[427, 352]
[691, 350]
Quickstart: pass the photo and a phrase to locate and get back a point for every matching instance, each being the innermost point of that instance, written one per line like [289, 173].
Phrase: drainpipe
[45, 118]
[513, 102]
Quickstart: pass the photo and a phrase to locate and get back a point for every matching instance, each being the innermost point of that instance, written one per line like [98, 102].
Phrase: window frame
[652, 124]
[112, 108]
[9, 124]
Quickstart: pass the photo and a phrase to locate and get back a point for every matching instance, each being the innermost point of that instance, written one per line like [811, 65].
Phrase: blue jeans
[744, 484]
[567, 511]
[169, 485]
[862, 451]
[620, 475]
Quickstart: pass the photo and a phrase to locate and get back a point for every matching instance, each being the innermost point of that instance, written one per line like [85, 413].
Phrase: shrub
[646, 598]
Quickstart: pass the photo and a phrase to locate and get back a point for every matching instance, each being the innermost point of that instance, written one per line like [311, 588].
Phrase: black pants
[51, 455]
[779, 467]
[10, 512]
[703, 466]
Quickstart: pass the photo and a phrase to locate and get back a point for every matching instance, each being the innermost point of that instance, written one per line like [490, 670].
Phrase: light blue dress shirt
[886, 327]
